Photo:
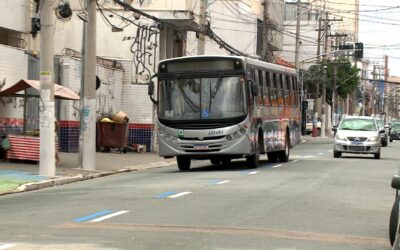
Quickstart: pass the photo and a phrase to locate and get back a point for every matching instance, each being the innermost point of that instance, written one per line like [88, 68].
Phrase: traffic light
[358, 50]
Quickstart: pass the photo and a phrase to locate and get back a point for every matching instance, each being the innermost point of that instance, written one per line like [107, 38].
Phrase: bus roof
[246, 60]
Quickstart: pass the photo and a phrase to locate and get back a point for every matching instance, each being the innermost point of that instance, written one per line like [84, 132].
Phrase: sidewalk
[19, 176]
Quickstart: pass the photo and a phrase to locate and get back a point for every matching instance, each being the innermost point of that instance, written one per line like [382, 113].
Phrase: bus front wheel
[254, 160]
[183, 163]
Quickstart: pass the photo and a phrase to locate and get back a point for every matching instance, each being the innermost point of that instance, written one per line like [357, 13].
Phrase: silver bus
[225, 107]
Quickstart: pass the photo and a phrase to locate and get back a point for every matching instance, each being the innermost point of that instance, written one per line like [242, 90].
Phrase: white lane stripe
[178, 195]
[309, 156]
[222, 182]
[295, 160]
[277, 166]
[109, 216]
[254, 172]
[330, 150]
[320, 153]
[7, 246]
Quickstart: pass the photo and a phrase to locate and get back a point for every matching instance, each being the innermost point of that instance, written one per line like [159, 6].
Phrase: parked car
[395, 131]
[394, 236]
[357, 135]
[384, 136]
[309, 126]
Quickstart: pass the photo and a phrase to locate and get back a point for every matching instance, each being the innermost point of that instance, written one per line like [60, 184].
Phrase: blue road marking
[166, 194]
[92, 216]
[214, 182]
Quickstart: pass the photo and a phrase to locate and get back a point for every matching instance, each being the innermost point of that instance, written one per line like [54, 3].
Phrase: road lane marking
[218, 182]
[320, 153]
[270, 233]
[222, 182]
[253, 172]
[295, 160]
[277, 166]
[109, 216]
[92, 216]
[6, 246]
[330, 150]
[178, 195]
[309, 156]
[166, 194]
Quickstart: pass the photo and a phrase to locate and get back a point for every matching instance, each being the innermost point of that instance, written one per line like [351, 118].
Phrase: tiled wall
[13, 14]
[117, 93]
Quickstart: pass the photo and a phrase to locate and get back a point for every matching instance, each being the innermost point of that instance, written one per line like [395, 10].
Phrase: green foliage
[347, 78]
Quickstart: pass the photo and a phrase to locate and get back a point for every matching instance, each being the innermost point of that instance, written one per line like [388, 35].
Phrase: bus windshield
[202, 98]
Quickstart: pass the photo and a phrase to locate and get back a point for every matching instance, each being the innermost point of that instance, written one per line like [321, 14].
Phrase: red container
[112, 135]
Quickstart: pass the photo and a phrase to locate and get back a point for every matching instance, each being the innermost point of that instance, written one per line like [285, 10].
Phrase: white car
[357, 135]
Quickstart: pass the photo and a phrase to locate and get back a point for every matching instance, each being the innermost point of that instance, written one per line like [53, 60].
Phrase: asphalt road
[312, 202]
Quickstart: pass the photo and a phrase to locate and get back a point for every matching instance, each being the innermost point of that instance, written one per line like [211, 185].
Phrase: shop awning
[60, 92]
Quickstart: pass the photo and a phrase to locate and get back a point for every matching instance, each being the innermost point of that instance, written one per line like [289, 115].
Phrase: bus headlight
[236, 134]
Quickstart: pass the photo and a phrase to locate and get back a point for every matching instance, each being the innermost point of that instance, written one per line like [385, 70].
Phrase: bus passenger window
[265, 91]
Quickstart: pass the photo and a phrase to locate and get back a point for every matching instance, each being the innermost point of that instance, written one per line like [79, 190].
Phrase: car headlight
[374, 138]
[341, 137]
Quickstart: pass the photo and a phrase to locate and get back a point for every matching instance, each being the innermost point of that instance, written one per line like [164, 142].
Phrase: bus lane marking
[219, 182]
[92, 216]
[109, 216]
[5, 246]
[178, 195]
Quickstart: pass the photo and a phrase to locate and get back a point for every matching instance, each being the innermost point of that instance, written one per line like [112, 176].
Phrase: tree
[347, 78]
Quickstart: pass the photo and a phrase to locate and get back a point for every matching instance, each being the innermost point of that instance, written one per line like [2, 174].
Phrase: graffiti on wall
[144, 49]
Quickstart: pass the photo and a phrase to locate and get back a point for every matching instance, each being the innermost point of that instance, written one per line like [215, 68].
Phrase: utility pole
[317, 106]
[297, 51]
[323, 110]
[266, 53]
[385, 94]
[47, 134]
[201, 42]
[89, 98]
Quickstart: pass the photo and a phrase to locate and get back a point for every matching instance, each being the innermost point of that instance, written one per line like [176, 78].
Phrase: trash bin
[112, 135]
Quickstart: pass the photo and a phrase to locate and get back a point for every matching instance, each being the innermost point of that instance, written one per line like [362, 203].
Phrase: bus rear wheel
[254, 160]
[183, 163]
[284, 154]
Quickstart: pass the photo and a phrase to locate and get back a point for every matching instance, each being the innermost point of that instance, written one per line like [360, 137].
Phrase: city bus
[220, 108]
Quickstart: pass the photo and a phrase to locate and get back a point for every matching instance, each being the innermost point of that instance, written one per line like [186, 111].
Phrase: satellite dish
[64, 11]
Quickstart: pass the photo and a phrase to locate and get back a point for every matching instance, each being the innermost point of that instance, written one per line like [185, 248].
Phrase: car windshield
[358, 124]
[202, 98]
[396, 125]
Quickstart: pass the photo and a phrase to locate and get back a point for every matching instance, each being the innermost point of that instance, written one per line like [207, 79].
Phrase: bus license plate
[200, 147]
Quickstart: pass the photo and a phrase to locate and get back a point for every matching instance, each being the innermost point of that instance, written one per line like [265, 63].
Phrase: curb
[32, 186]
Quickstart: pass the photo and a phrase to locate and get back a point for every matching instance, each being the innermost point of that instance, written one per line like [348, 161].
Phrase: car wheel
[377, 156]
[394, 220]
[253, 160]
[385, 143]
[391, 140]
[183, 162]
[337, 154]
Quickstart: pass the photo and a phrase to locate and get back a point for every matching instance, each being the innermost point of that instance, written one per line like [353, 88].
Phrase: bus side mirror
[254, 87]
[150, 90]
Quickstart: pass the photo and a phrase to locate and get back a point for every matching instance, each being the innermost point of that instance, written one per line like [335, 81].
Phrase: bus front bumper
[238, 146]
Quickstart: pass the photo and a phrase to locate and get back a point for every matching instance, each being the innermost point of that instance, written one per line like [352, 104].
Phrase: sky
[379, 30]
